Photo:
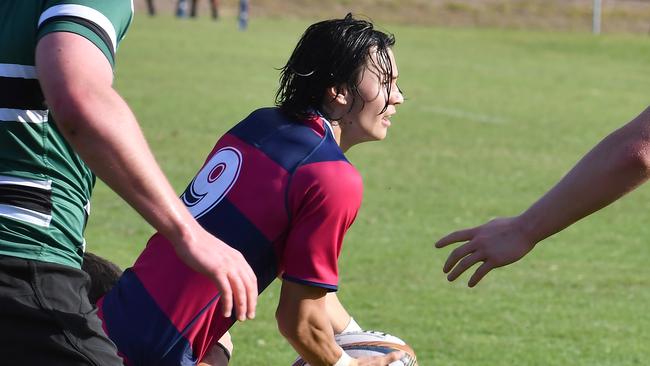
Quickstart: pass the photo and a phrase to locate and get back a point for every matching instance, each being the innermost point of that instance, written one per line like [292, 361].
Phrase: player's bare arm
[340, 319]
[303, 320]
[619, 164]
[76, 80]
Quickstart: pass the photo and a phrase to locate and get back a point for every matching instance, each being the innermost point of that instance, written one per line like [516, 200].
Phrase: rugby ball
[371, 343]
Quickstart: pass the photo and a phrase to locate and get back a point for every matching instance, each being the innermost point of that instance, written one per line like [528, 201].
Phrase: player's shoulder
[266, 113]
[335, 187]
[103, 23]
[260, 124]
[330, 177]
[269, 116]
[285, 140]
[108, 19]
[328, 167]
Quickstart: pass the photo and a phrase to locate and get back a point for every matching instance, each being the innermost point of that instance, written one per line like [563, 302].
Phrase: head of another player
[345, 69]
[103, 275]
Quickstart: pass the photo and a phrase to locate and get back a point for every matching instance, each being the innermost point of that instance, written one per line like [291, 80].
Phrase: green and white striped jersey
[45, 187]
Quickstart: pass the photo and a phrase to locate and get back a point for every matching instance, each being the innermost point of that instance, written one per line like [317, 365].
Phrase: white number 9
[213, 181]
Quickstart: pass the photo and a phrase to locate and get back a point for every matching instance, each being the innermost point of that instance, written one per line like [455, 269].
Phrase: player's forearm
[312, 337]
[302, 319]
[616, 166]
[339, 317]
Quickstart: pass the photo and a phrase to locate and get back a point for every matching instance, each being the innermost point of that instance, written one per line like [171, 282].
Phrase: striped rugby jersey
[45, 187]
[278, 190]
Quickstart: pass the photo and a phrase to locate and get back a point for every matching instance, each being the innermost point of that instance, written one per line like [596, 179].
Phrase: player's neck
[336, 130]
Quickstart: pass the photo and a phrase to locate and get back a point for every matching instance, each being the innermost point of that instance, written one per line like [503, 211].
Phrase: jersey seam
[292, 174]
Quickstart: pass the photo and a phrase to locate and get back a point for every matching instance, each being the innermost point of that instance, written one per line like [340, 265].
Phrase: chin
[380, 136]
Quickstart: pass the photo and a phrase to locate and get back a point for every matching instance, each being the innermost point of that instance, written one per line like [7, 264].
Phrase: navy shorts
[47, 319]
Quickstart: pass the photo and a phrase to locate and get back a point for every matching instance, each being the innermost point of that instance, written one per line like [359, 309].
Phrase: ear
[338, 94]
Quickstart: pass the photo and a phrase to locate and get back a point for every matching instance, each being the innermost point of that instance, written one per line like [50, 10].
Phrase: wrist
[528, 226]
[344, 360]
[352, 326]
[184, 232]
[176, 223]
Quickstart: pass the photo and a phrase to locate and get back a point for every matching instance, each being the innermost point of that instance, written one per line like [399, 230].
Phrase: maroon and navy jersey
[278, 190]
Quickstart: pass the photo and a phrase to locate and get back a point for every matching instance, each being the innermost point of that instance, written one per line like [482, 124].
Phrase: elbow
[635, 158]
[640, 158]
[643, 144]
[635, 153]
[642, 153]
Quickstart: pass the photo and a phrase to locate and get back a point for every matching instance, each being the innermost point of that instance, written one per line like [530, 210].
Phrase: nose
[396, 96]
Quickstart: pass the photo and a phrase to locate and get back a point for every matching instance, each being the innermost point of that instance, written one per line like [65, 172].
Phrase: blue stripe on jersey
[143, 322]
[227, 223]
[285, 141]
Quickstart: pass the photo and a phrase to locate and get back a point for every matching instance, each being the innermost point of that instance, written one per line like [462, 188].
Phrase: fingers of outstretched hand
[455, 237]
[456, 255]
[480, 272]
[464, 265]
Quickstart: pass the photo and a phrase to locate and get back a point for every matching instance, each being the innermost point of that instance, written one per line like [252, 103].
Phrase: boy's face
[366, 122]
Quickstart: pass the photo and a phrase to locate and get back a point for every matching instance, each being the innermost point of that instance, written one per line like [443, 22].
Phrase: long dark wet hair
[331, 53]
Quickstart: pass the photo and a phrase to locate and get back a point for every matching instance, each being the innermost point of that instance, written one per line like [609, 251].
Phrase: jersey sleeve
[323, 199]
[104, 23]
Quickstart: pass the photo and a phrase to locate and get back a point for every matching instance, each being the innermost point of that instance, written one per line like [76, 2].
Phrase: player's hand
[229, 270]
[378, 360]
[496, 244]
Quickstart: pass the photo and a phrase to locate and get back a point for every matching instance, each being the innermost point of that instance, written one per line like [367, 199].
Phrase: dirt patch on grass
[575, 15]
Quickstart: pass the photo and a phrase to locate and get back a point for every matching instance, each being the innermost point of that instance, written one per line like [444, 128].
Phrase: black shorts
[47, 319]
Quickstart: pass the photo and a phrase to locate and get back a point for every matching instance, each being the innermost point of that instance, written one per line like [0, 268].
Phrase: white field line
[463, 114]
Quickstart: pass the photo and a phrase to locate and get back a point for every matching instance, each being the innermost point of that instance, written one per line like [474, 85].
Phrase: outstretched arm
[614, 167]
[76, 80]
[303, 320]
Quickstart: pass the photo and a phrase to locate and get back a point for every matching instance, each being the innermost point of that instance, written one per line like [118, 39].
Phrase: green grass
[492, 119]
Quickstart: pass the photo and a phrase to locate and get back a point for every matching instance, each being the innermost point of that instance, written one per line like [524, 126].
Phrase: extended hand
[496, 244]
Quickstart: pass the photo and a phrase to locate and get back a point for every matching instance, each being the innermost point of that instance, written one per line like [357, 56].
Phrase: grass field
[492, 119]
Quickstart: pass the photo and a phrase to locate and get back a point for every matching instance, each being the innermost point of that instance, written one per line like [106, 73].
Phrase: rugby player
[278, 188]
